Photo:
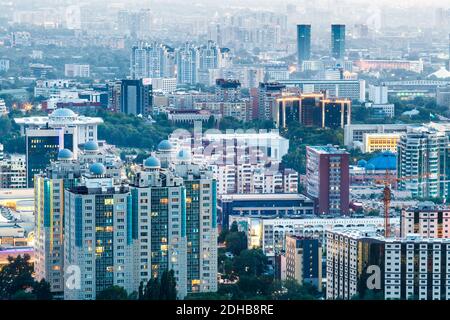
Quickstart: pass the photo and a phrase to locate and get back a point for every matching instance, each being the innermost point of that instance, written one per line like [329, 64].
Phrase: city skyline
[232, 151]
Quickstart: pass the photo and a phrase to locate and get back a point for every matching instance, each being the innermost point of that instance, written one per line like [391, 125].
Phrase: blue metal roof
[383, 161]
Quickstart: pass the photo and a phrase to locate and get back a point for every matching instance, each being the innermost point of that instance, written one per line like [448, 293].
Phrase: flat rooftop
[267, 196]
[327, 150]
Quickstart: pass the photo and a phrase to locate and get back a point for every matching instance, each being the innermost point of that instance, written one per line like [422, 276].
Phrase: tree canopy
[17, 282]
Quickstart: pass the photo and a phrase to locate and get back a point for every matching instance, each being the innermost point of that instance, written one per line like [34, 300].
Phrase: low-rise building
[264, 205]
[269, 232]
[381, 142]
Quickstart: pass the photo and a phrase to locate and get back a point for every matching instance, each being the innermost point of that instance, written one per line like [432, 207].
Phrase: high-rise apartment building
[135, 23]
[267, 95]
[152, 60]
[304, 260]
[405, 268]
[201, 225]
[188, 62]
[209, 58]
[159, 208]
[49, 189]
[423, 163]
[49, 219]
[327, 179]
[98, 234]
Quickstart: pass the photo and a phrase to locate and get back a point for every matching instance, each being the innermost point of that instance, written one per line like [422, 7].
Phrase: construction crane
[387, 196]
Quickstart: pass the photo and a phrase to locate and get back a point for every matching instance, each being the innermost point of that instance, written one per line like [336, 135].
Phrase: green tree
[160, 289]
[152, 290]
[42, 290]
[292, 290]
[23, 295]
[141, 291]
[113, 293]
[168, 289]
[236, 242]
[206, 296]
[234, 227]
[16, 276]
[250, 262]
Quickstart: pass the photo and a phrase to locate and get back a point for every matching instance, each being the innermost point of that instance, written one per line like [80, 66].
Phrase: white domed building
[47, 135]
[165, 152]
[86, 127]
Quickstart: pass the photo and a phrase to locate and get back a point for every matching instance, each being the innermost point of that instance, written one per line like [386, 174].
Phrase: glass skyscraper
[338, 41]
[303, 43]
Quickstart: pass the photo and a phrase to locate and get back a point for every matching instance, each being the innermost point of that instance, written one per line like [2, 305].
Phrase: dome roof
[370, 167]
[184, 154]
[63, 113]
[65, 154]
[165, 145]
[97, 169]
[91, 146]
[383, 161]
[152, 162]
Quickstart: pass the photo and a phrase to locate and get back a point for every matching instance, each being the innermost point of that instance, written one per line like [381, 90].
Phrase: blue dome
[165, 145]
[63, 112]
[97, 169]
[91, 146]
[184, 154]
[362, 163]
[383, 161]
[152, 162]
[65, 154]
[370, 167]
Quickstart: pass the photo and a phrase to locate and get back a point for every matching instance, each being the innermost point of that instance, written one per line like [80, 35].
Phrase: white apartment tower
[422, 163]
[98, 235]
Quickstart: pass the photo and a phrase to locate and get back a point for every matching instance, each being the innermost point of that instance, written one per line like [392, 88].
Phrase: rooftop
[382, 161]
[369, 234]
[266, 196]
[328, 149]
[429, 206]
[62, 115]
[245, 135]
